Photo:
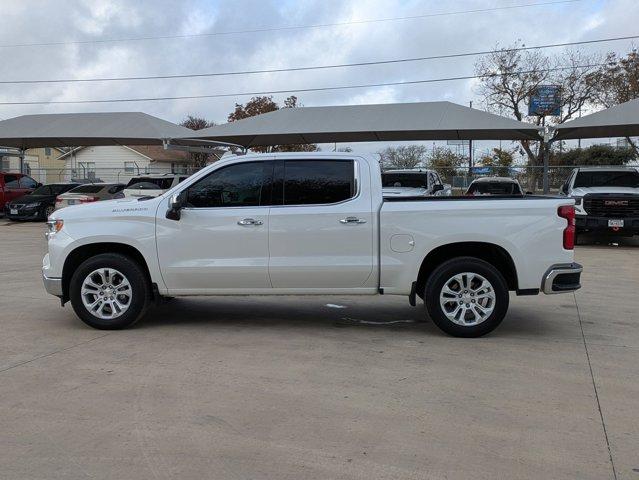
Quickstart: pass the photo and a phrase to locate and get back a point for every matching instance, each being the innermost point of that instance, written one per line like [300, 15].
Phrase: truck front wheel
[109, 291]
[466, 297]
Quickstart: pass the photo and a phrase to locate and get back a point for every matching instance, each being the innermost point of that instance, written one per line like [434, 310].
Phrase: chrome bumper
[52, 285]
[562, 279]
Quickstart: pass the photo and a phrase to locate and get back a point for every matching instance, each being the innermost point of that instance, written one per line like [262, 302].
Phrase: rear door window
[313, 182]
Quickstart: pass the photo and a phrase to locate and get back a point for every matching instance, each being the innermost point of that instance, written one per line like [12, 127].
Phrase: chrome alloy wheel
[106, 293]
[467, 299]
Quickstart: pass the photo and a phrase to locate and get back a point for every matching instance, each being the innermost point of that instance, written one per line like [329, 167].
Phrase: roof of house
[153, 152]
[159, 154]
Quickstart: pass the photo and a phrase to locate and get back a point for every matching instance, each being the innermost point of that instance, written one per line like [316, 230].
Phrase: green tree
[446, 162]
[499, 160]
[260, 105]
[404, 157]
[592, 155]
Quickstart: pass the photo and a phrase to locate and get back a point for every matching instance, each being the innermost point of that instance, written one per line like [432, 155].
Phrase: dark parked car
[39, 204]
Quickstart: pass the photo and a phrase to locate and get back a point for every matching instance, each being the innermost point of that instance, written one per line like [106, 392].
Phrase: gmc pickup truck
[309, 223]
[606, 199]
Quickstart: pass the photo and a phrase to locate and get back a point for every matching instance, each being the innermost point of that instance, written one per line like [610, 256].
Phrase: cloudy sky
[84, 22]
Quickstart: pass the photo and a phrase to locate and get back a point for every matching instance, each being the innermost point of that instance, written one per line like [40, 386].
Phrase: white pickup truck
[309, 223]
[417, 182]
[606, 199]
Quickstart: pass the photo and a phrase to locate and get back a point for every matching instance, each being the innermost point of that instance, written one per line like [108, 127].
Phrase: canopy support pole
[548, 133]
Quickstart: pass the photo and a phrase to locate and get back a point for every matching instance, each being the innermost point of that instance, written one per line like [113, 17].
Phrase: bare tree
[508, 77]
[197, 159]
[617, 82]
[409, 156]
[196, 123]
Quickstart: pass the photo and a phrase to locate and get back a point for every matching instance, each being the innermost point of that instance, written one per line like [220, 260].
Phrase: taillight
[88, 199]
[58, 200]
[568, 212]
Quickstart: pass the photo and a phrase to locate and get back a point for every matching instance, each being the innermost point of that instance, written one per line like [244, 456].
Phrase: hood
[404, 192]
[130, 206]
[27, 199]
[581, 191]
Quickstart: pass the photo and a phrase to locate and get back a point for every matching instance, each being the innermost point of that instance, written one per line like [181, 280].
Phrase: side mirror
[438, 187]
[38, 185]
[176, 202]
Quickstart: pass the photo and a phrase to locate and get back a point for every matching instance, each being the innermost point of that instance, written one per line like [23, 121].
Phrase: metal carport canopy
[87, 129]
[619, 121]
[370, 123]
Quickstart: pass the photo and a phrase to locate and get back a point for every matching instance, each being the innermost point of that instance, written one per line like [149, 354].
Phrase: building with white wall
[118, 163]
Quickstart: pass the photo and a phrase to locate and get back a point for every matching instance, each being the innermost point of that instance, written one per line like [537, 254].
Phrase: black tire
[137, 278]
[47, 210]
[443, 273]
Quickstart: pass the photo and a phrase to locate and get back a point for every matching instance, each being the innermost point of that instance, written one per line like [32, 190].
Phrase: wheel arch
[83, 252]
[492, 253]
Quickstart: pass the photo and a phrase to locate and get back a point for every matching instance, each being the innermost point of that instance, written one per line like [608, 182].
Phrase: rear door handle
[352, 220]
[247, 222]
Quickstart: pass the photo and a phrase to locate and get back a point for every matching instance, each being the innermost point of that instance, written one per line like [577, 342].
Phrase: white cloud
[44, 21]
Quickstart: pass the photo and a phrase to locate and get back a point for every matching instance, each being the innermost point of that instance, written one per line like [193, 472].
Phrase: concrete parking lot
[292, 388]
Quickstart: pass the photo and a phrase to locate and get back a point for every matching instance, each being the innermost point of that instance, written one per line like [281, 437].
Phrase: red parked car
[14, 185]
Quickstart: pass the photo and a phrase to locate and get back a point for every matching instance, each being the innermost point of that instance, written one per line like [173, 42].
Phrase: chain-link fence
[84, 174]
[530, 178]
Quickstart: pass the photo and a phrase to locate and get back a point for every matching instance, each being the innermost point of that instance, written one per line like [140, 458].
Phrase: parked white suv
[309, 223]
[413, 183]
[152, 185]
[606, 199]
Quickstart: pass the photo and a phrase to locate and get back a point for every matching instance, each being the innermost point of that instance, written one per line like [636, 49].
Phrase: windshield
[494, 188]
[607, 179]
[148, 183]
[52, 189]
[410, 180]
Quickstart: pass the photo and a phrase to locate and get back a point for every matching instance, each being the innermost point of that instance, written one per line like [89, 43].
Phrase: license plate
[14, 211]
[72, 202]
[615, 223]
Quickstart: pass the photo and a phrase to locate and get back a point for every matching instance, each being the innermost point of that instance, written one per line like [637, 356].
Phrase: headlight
[54, 226]
[32, 205]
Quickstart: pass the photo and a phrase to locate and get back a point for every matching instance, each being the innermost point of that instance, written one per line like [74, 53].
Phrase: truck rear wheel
[466, 297]
[109, 291]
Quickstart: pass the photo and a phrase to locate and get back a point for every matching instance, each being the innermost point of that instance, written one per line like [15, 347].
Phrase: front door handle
[248, 222]
[352, 220]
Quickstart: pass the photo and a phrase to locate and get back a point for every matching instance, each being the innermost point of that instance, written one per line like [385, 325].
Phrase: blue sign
[545, 100]
[481, 170]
